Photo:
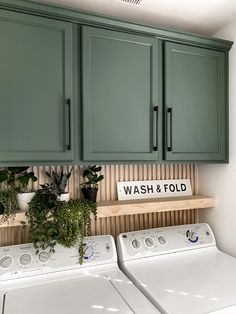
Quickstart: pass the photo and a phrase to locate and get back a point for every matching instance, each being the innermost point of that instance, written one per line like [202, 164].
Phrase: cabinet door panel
[35, 81]
[195, 103]
[119, 72]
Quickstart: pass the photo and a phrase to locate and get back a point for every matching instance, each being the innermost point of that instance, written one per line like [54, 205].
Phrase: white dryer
[57, 284]
[179, 269]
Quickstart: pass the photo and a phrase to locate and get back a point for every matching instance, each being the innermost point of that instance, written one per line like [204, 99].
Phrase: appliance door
[89, 294]
[196, 282]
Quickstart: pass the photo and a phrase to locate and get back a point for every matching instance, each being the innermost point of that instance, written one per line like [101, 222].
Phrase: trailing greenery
[40, 217]
[52, 221]
[59, 180]
[17, 178]
[73, 222]
[92, 177]
[9, 204]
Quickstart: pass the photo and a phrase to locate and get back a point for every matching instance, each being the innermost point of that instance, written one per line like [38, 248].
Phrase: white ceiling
[205, 17]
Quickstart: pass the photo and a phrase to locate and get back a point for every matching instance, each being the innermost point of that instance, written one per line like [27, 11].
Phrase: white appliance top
[57, 284]
[180, 269]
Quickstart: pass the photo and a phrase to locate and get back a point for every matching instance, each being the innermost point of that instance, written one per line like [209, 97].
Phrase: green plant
[17, 178]
[40, 217]
[73, 220]
[92, 177]
[8, 204]
[52, 221]
[59, 180]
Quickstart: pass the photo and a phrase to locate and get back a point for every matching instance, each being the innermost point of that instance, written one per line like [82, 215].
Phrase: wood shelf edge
[134, 207]
[20, 216]
[120, 208]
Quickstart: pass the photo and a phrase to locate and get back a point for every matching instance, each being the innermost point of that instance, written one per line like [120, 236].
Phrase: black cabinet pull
[155, 128]
[169, 129]
[68, 125]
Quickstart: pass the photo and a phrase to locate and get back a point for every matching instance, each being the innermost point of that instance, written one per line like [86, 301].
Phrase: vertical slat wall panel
[107, 191]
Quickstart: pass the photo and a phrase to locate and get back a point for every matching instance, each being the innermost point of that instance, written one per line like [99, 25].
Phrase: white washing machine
[179, 269]
[57, 284]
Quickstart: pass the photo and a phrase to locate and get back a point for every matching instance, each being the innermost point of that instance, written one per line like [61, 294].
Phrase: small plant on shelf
[59, 180]
[18, 179]
[89, 188]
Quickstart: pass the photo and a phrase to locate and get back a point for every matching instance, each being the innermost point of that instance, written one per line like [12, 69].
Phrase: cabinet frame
[214, 104]
[65, 101]
[89, 102]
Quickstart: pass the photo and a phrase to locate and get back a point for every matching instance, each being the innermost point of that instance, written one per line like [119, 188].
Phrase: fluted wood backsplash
[107, 191]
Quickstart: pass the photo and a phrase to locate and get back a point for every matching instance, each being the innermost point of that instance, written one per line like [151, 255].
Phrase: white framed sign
[130, 190]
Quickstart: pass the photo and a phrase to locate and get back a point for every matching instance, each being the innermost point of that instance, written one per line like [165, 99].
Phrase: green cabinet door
[120, 96]
[35, 85]
[195, 104]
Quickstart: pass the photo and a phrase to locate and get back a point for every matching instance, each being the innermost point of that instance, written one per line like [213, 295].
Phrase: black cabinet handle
[155, 128]
[169, 129]
[68, 125]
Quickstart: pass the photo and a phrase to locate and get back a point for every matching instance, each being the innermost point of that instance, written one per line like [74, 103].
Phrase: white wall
[220, 180]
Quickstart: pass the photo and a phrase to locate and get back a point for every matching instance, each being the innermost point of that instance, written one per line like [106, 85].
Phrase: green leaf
[3, 176]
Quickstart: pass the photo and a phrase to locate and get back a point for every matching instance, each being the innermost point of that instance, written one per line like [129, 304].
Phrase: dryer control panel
[152, 242]
[21, 260]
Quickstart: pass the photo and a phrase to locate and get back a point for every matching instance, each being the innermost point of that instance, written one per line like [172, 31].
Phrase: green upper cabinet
[35, 89]
[195, 104]
[121, 117]
[76, 87]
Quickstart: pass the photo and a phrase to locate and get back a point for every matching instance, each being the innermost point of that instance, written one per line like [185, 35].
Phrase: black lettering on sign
[128, 189]
[149, 188]
[143, 189]
[172, 187]
[136, 190]
[183, 187]
[158, 189]
[165, 187]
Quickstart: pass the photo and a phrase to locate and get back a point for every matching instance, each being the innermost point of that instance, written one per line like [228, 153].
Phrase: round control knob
[192, 236]
[162, 240]
[43, 257]
[6, 261]
[149, 242]
[136, 244]
[25, 259]
[88, 251]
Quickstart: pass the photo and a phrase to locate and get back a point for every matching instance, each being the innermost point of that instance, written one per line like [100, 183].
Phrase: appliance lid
[196, 282]
[90, 294]
[228, 310]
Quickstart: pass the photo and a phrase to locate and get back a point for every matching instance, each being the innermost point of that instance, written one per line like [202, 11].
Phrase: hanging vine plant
[40, 217]
[73, 220]
[8, 205]
[52, 221]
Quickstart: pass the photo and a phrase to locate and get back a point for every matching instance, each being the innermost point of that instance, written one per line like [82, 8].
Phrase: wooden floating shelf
[20, 216]
[144, 206]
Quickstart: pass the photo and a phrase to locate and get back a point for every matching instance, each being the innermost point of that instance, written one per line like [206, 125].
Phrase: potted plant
[52, 221]
[40, 216]
[90, 186]
[18, 179]
[73, 220]
[60, 182]
[8, 205]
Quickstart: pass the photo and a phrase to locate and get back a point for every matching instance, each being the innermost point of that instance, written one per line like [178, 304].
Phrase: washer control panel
[158, 241]
[21, 260]
[192, 236]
